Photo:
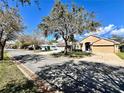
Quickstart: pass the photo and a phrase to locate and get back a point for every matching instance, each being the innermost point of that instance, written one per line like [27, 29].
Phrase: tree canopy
[118, 38]
[10, 26]
[65, 22]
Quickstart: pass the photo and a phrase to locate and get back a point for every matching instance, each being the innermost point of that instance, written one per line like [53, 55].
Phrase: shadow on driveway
[29, 58]
[84, 77]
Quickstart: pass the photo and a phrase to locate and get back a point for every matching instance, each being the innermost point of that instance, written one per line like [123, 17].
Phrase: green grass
[121, 55]
[12, 80]
[73, 54]
[9, 72]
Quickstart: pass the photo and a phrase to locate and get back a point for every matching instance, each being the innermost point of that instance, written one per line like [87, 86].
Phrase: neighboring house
[10, 44]
[96, 44]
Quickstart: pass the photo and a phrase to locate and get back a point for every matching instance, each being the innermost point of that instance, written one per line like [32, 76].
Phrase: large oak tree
[65, 22]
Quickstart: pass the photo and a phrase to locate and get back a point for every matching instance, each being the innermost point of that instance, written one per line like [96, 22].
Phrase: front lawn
[12, 80]
[73, 54]
[121, 55]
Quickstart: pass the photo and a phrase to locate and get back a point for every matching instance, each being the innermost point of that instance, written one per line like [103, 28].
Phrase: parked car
[53, 47]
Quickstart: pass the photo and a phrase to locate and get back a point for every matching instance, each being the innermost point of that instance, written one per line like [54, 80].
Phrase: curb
[26, 71]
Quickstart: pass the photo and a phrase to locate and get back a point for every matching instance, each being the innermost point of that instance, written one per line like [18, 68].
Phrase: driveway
[106, 58]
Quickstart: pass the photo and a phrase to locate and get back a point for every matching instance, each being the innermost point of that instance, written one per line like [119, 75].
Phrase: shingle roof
[113, 41]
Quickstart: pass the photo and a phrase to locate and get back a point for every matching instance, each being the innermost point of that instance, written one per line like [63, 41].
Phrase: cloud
[107, 31]
[119, 32]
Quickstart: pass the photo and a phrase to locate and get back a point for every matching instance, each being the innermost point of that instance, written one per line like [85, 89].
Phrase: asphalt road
[35, 61]
[15, 52]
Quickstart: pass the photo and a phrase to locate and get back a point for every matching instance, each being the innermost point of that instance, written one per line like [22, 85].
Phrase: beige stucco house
[97, 44]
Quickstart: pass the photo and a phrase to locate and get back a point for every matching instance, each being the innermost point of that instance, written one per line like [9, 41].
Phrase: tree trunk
[1, 52]
[66, 47]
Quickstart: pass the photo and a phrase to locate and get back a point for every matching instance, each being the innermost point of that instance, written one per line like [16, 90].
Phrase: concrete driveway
[106, 58]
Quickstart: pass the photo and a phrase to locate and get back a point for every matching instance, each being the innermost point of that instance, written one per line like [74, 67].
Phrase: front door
[87, 46]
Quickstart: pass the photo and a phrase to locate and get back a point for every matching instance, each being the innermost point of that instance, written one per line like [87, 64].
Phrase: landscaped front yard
[121, 55]
[12, 80]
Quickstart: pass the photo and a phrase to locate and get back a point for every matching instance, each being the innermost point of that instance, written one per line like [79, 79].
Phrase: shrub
[14, 46]
[122, 48]
[25, 45]
[74, 54]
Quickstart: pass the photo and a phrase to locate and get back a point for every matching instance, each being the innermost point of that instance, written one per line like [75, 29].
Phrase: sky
[110, 13]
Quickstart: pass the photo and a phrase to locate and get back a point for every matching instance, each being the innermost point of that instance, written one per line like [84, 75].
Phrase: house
[10, 44]
[96, 44]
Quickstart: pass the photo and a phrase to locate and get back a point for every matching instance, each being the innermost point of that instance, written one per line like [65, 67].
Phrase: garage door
[103, 49]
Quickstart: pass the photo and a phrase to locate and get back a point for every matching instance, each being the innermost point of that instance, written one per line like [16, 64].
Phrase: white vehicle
[43, 48]
[48, 47]
[53, 48]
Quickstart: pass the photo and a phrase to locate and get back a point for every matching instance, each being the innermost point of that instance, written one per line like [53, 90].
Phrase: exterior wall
[103, 49]
[116, 48]
[90, 39]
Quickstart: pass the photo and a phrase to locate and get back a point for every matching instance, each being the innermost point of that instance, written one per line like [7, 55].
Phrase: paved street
[76, 75]
[34, 61]
[15, 52]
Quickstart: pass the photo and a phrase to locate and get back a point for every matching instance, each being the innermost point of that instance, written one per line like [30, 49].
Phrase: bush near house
[122, 48]
[25, 45]
[73, 54]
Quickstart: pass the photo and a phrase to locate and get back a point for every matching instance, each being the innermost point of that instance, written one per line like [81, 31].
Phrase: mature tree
[118, 38]
[65, 22]
[73, 41]
[10, 26]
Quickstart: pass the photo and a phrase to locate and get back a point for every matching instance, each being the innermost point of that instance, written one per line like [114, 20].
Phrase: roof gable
[97, 40]
[90, 38]
[103, 42]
